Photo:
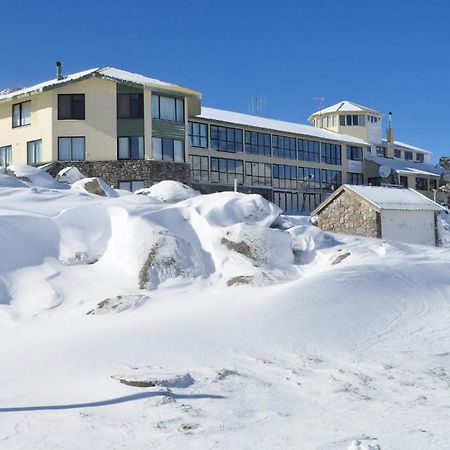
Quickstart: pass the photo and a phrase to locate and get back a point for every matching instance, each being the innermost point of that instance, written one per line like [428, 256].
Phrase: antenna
[319, 101]
[257, 104]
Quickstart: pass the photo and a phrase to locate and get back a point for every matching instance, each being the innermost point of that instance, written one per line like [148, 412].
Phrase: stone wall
[112, 172]
[348, 214]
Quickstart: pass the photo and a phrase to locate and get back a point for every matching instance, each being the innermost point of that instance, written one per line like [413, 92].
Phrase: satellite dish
[384, 171]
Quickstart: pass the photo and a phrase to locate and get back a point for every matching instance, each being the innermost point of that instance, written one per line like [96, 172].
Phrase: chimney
[390, 131]
[59, 75]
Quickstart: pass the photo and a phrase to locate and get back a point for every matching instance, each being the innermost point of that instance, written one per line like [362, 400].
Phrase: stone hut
[390, 213]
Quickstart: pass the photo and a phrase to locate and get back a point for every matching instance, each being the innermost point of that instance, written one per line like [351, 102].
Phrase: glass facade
[199, 168]
[226, 139]
[284, 177]
[258, 174]
[198, 134]
[284, 147]
[331, 154]
[167, 108]
[331, 179]
[257, 143]
[167, 149]
[308, 150]
[309, 178]
[226, 170]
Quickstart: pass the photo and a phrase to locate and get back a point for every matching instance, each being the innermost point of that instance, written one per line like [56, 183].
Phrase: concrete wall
[348, 214]
[413, 227]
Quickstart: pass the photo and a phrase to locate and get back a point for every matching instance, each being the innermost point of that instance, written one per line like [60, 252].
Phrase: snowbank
[169, 191]
[69, 175]
[94, 186]
[34, 176]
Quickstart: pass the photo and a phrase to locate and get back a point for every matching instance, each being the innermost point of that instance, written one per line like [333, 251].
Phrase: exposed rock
[243, 279]
[340, 258]
[119, 304]
[94, 186]
[241, 247]
[151, 378]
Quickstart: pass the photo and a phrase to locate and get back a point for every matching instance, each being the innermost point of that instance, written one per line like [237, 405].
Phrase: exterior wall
[413, 227]
[348, 214]
[100, 124]
[40, 127]
[112, 172]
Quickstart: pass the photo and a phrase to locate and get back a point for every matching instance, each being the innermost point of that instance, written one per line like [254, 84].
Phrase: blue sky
[388, 55]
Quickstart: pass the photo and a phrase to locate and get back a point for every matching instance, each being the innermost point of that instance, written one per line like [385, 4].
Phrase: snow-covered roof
[381, 197]
[344, 106]
[408, 146]
[406, 167]
[277, 125]
[109, 73]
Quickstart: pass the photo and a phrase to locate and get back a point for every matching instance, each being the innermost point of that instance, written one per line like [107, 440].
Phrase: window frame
[72, 102]
[7, 149]
[419, 186]
[228, 145]
[228, 175]
[131, 184]
[282, 147]
[176, 101]
[71, 147]
[21, 118]
[331, 153]
[140, 106]
[34, 142]
[199, 173]
[192, 134]
[163, 149]
[130, 151]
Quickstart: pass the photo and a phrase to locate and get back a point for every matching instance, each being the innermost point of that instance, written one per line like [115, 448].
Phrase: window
[130, 147]
[166, 149]
[308, 178]
[331, 179]
[130, 106]
[397, 153]
[287, 201]
[308, 150]
[331, 154]
[408, 155]
[71, 106]
[226, 139]
[404, 181]
[284, 147]
[420, 157]
[284, 177]
[342, 121]
[21, 114]
[167, 108]
[257, 143]
[433, 184]
[369, 151]
[258, 174]
[71, 148]
[5, 156]
[198, 134]
[348, 120]
[199, 168]
[355, 178]
[34, 152]
[131, 185]
[381, 151]
[362, 120]
[226, 170]
[421, 183]
[372, 119]
[354, 153]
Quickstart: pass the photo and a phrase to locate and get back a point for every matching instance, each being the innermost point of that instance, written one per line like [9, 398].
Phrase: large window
[226, 139]
[420, 157]
[433, 184]
[284, 177]
[331, 154]
[130, 106]
[167, 108]
[408, 155]
[308, 150]
[421, 184]
[397, 153]
[199, 168]
[131, 185]
[355, 178]
[258, 174]
[226, 170]
[21, 114]
[381, 151]
[71, 106]
[198, 134]
[130, 147]
[34, 152]
[287, 201]
[71, 148]
[5, 156]
[165, 149]
[308, 178]
[257, 143]
[284, 147]
[331, 179]
[354, 153]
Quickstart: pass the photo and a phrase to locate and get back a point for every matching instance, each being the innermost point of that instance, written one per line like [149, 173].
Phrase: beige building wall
[100, 124]
[148, 148]
[39, 128]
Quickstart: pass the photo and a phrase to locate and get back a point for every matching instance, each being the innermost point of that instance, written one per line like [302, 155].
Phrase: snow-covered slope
[128, 322]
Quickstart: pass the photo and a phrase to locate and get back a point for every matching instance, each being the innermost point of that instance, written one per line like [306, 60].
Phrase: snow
[408, 146]
[407, 167]
[277, 125]
[321, 341]
[344, 106]
[93, 185]
[169, 191]
[34, 176]
[69, 175]
[394, 198]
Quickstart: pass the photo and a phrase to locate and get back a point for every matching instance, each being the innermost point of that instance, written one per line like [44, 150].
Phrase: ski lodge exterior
[133, 131]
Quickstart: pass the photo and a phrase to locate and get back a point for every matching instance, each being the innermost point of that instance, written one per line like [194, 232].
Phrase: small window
[131, 185]
[421, 183]
[21, 114]
[354, 153]
[71, 107]
[71, 148]
[420, 157]
[355, 120]
[342, 121]
[130, 147]
[167, 108]
[397, 153]
[34, 152]
[408, 156]
[198, 134]
[381, 151]
[165, 149]
[433, 184]
[130, 106]
[5, 156]
[349, 120]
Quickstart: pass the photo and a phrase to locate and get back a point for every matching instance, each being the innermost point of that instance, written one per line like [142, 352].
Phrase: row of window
[34, 153]
[280, 176]
[129, 106]
[409, 155]
[348, 120]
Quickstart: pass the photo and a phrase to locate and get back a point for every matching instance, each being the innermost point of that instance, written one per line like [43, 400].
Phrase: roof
[386, 198]
[109, 73]
[408, 146]
[406, 167]
[277, 125]
[344, 106]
